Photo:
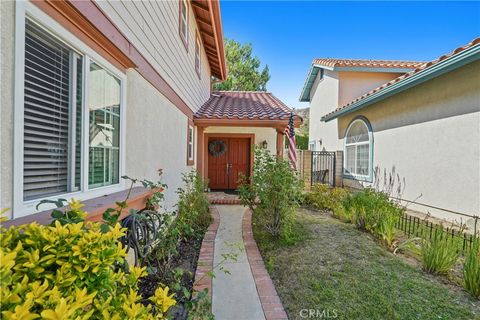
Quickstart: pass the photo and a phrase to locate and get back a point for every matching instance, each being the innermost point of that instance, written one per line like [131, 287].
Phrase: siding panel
[152, 27]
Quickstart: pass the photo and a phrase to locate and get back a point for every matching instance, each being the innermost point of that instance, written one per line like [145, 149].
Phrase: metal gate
[323, 167]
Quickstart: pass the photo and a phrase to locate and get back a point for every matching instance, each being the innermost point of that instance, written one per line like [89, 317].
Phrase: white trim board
[23, 10]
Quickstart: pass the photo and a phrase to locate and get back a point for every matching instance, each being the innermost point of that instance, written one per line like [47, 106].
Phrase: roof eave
[216, 59]
[218, 29]
[373, 69]
[309, 81]
[442, 67]
[237, 122]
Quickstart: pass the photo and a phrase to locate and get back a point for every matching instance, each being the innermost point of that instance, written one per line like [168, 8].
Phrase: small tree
[243, 69]
[273, 194]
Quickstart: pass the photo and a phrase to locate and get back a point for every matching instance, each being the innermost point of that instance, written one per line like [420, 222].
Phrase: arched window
[358, 149]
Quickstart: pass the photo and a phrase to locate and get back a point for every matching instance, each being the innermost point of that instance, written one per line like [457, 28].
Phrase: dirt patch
[186, 260]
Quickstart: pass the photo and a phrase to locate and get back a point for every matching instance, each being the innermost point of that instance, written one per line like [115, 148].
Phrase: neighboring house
[94, 90]
[421, 118]
[334, 82]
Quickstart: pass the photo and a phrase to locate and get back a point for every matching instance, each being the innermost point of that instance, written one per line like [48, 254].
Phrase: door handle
[227, 168]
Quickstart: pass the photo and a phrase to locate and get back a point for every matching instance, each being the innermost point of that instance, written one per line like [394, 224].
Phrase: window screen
[358, 145]
[104, 127]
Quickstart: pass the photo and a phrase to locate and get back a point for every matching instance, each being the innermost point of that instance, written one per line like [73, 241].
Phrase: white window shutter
[46, 115]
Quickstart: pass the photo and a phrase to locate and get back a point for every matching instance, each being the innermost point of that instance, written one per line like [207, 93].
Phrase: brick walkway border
[205, 259]
[222, 198]
[225, 201]
[271, 303]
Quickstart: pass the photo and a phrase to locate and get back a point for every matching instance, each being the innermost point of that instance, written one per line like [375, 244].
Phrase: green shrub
[373, 211]
[193, 205]
[471, 269]
[277, 188]
[439, 254]
[71, 271]
[323, 197]
[343, 214]
[386, 229]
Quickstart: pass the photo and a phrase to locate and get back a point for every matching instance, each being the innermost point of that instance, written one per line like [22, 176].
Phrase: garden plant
[75, 269]
[273, 193]
[72, 270]
[439, 253]
[379, 213]
[471, 269]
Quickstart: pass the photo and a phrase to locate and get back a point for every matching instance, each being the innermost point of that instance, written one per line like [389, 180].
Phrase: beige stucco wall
[355, 84]
[153, 27]
[261, 134]
[7, 34]
[156, 136]
[431, 134]
[324, 98]
[156, 131]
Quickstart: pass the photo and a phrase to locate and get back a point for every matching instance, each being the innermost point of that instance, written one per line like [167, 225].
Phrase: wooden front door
[225, 168]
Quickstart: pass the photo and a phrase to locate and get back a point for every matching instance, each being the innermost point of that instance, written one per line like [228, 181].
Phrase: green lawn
[339, 270]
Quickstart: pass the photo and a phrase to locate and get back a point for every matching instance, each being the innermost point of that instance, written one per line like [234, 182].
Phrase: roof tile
[420, 68]
[328, 62]
[243, 105]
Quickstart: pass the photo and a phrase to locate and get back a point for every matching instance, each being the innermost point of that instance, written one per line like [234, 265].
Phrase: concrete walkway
[235, 295]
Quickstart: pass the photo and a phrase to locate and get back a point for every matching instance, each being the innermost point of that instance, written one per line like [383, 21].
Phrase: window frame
[183, 37]
[312, 145]
[190, 158]
[355, 176]
[26, 10]
[198, 45]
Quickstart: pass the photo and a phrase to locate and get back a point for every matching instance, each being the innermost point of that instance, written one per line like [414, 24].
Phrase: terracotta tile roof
[327, 62]
[417, 70]
[243, 105]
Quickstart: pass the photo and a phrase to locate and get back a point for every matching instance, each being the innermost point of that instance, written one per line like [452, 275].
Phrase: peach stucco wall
[355, 84]
[261, 135]
[334, 90]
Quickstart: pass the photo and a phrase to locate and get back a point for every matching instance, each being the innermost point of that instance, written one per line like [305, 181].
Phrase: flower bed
[77, 269]
[72, 269]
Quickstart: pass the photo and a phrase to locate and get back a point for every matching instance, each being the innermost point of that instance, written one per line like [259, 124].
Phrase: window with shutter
[56, 124]
[52, 115]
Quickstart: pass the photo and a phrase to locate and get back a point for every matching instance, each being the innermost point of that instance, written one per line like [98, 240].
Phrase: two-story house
[94, 90]
[422, 119]
[332, 83]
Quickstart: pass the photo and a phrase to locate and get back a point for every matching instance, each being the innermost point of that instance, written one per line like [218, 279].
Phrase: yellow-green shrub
[323, 197]
[71, 271]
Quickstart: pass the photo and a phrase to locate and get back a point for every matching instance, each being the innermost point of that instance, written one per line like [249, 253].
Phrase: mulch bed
[188, 253]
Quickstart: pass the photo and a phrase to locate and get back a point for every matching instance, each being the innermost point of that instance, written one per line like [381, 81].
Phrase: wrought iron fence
[416, 227]
[323, 167]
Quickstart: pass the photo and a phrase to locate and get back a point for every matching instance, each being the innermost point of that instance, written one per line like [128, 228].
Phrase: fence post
[339, 168]
[307, 168]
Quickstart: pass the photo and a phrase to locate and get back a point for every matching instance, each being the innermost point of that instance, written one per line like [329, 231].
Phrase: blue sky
[288, 35]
